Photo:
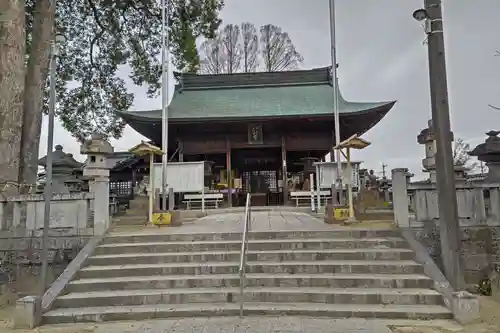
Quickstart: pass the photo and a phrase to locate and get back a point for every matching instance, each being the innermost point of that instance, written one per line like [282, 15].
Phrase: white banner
[183, 177]
[328, 174]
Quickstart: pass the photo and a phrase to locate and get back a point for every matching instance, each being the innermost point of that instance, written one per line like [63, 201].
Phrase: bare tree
[211, 56]
[460, 156]
[231, 47]
[250, 50]
[277, 49]
[223, 53]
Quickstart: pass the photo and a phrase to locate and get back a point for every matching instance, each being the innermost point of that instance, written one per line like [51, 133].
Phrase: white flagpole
[335, 97]
[164, 96]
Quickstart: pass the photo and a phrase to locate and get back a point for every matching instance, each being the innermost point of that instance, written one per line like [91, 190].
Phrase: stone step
[291, 267]
[337, 280]
[138, 211]
[263, 244]
[131, 220]
[153, 236]
[158, 311]
[259, 256]
[259, 294]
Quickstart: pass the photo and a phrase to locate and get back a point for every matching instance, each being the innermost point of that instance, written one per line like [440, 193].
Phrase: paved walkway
[233, 222]
[261, 221]
[250, 325]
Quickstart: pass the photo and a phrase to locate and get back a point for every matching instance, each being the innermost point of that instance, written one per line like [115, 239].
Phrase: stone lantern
[63, 166]
[97, 149]
[308, 171]
[489, 152]
[426, 138]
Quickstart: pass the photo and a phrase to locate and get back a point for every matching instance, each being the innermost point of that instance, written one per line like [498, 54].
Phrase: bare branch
[494, 107]
[212, 62]
[223, 53]
[250, 48]
[231, 52]
[460, 156]
[278, 51]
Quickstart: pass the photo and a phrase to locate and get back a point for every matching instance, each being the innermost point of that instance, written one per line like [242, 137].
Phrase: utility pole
[384, 166]
[447, 198]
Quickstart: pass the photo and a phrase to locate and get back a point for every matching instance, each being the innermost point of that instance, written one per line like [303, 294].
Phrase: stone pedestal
[465, 307]
[97, 148]
[493, 171]
[495, 286]
[400, 199]
[341, 217]
[28, 313]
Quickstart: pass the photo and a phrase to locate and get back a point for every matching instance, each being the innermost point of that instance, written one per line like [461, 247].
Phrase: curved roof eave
[153, 116]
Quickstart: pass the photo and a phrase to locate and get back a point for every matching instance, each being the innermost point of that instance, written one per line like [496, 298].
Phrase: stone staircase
[137, 214]
[341, 273]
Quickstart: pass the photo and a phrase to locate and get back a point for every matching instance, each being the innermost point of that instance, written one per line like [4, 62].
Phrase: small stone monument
[97, 149]
[426, 138]
[63, 166]
[489, 152]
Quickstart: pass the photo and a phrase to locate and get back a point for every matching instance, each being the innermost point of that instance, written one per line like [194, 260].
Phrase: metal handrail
[243, 255]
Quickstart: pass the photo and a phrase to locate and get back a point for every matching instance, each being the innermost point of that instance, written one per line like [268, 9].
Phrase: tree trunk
[36, 78]
[12, 52]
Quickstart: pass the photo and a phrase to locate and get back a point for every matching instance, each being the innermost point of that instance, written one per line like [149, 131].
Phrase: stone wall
[480, 248]
[21, 227]
[479, 220]
[18, 248]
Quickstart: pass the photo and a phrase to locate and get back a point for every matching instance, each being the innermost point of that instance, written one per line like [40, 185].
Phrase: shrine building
[267, 128]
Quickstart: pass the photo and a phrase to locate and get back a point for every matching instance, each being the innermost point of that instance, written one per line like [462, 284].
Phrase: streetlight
[58, 40]
[445, 175]
[420, 14]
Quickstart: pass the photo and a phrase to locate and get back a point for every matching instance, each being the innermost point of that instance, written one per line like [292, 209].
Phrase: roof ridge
[250, 86]
[187, 74]
[283, 78]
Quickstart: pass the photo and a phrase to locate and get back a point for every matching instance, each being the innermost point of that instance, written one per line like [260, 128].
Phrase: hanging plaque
[255, 134]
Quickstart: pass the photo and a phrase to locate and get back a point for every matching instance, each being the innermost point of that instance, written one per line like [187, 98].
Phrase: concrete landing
[275, 220]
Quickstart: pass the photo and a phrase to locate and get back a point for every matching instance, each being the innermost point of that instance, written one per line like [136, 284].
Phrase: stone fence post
[97, 149]
[400, 200]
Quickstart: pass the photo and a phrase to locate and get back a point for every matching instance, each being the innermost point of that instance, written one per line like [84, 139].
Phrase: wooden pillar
[134, 181]
[151, 187]
[228, 169]
[283, 163]
[181, 151]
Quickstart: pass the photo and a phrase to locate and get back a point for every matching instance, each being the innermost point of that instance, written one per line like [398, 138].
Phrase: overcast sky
[382, 57]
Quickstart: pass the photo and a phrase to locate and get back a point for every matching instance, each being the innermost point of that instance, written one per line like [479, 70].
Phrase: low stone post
[400, 200]
[495, 284]
[97, 149]
[465, 307]
[28, 313]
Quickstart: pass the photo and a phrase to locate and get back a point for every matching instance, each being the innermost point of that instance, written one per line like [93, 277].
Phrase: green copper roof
[296, 93]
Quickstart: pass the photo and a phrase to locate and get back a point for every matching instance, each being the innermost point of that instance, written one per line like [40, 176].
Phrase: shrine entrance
[260, 172]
